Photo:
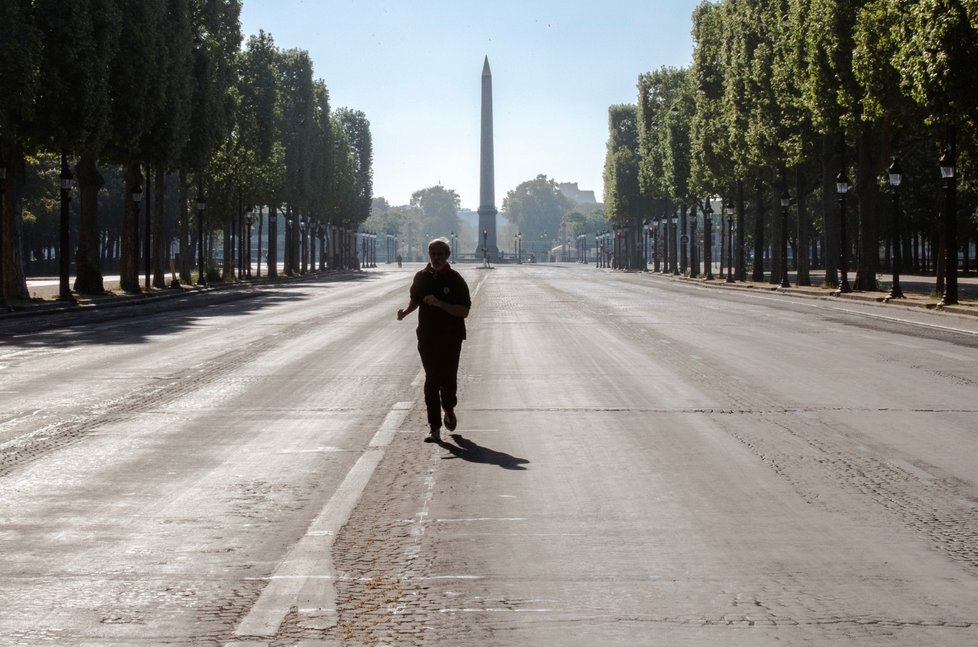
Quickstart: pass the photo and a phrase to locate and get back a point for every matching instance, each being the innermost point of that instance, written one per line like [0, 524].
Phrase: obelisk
[487, 194]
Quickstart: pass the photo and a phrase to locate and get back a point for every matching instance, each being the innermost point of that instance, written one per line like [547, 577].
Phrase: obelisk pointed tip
[485, 67]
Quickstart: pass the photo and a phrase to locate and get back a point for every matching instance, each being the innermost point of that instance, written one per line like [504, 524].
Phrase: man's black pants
[440, 361]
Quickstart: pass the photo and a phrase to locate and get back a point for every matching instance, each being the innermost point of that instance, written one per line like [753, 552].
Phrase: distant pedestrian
[443, 298]
[399, 260]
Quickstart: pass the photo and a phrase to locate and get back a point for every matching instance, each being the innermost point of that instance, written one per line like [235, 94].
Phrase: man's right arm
[411, 307]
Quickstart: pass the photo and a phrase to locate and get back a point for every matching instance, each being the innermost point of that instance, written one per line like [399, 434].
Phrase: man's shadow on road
[473, 453]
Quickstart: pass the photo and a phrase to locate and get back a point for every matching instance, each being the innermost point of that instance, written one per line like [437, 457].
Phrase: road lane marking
[305, 578]
[871, 315]
[495, 610]
[470, 519]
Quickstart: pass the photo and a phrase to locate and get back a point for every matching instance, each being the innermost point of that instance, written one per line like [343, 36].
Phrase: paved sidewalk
[918, 290]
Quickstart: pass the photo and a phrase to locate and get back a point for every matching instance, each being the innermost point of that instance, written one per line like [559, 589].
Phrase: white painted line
[304, 579]
[494, 610]
[418, 379]
[393, 421]
[481, 519]
[478, 286]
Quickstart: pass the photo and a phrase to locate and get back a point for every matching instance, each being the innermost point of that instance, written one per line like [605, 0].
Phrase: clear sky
[414, 68]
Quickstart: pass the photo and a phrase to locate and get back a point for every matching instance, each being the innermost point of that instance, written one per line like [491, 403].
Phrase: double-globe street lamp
[842, 188]
[950, 296]
[896, 177]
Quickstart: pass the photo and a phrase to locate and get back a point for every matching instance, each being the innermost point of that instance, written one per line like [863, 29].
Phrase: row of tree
[791, 95]
[163, 88]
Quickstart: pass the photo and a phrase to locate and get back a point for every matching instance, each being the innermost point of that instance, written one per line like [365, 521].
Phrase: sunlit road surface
[636, 463]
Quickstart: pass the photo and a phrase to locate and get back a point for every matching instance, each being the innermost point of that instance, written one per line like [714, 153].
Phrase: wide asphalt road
[637, 462]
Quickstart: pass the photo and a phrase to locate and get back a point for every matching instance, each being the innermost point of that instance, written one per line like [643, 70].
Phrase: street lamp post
[303, 248]
[707, 239]
[730, 251]
[841, 188]
[64, 291]
[785, 201]
[896, 177]
[147, 235]
[201, 206]
[271, 257]
[137, 197]
[950, 296]
[287, 250]
[249, 221]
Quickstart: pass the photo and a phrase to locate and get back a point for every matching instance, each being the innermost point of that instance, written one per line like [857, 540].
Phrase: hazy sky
[414, 68]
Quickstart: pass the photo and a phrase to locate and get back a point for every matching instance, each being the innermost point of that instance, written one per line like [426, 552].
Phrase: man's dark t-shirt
[448, 286]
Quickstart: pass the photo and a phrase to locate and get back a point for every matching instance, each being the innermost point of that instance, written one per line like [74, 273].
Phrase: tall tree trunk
[227, 265]
[13, 283]
[867, 188]
[261, 227]
[830, 211]
[758, 273]
[129, 263]
[159, 242]
[637, 241]
[803, 260]
[144, 232]
[683, 240]
[88, 267]
[186, 250]
[740, 273]
[776, 234]
[272, 242]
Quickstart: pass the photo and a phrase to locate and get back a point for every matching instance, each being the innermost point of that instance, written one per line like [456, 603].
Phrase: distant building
[570, 191]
